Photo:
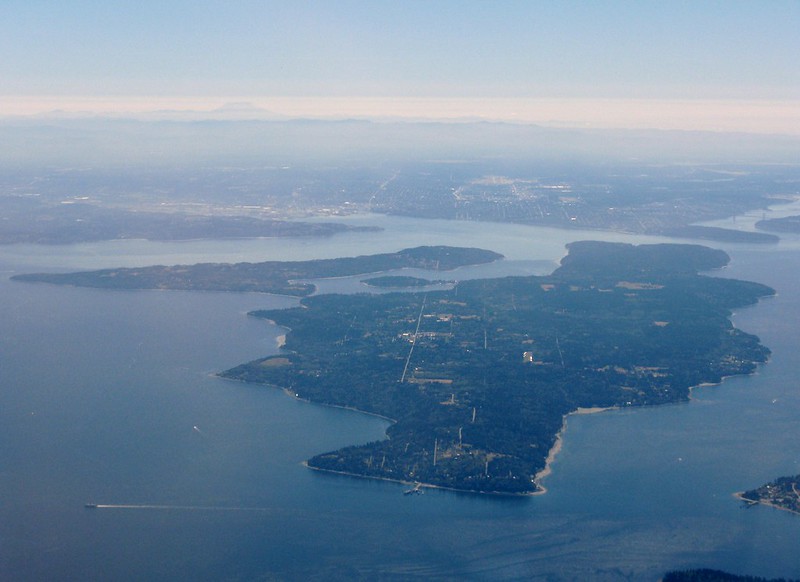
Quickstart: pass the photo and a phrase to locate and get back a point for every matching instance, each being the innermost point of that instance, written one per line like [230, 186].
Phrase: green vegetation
[790, 224]
[783, 493]
[479, 378]
[268, 277]
[706, 575]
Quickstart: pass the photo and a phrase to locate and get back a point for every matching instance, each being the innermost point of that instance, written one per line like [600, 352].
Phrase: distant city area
[74, 205]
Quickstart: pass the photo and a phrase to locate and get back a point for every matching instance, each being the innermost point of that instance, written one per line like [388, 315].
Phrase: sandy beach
[556, 448]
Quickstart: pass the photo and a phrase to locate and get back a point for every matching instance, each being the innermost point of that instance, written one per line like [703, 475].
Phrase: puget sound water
[109, 398]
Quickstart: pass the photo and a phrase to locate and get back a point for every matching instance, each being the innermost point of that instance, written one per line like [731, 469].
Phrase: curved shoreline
[558, 444]
[750, 503]
[418, 483]
[538, 477]
[536, 480]
[291, 394]
[540, 489]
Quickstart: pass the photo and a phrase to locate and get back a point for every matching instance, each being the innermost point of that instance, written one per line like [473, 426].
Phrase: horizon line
[762, 116]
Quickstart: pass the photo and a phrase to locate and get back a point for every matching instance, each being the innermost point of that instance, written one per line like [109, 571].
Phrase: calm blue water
[107, 397]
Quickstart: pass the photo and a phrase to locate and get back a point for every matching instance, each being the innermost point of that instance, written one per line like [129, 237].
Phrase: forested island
[788, 224]
[279, 277]
[400, 281]
[478, 379]
[783, 493]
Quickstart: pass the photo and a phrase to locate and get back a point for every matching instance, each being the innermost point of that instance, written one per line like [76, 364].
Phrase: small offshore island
[478, 379]
[400, 282]
[783, 493]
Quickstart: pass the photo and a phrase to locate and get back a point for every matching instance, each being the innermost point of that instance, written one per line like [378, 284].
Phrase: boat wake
[175, 507]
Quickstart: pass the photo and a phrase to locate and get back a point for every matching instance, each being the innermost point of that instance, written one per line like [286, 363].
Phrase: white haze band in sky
[752, 116]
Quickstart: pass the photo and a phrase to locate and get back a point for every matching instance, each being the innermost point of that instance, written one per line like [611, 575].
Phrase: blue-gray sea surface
[108, 397]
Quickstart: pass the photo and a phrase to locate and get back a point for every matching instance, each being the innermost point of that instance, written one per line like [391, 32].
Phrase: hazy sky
[196, 51]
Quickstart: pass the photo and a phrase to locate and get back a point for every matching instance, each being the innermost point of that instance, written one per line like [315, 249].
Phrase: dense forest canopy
[479, 378]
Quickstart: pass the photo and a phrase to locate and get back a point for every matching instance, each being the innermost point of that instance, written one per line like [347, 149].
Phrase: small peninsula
[783, 493]
[715, 233]
[787, 224]
[279, 277]
[478, 379]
